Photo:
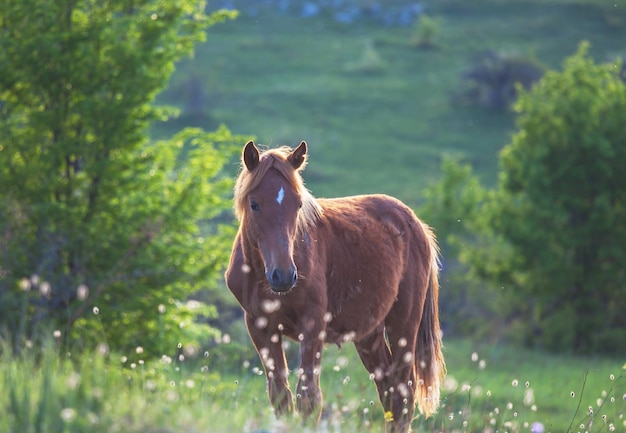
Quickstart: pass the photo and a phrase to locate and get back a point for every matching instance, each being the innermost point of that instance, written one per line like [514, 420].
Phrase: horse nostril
[294, 277]
[282, 281]
[275, 279]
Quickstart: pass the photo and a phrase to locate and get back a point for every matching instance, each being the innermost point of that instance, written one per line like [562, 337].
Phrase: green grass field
[489, 388]
[375, 110]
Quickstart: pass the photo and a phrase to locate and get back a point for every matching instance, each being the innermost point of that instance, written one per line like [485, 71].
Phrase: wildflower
[82, 292]
[388, 416]
[103, 349]
[45, 289]
[68, 414]
[25, 284]
[270, 306]
[536, 427]
[529, 397]
[261, 322]
[72, 380]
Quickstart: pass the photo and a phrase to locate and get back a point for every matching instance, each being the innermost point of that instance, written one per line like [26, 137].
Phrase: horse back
[372, 244]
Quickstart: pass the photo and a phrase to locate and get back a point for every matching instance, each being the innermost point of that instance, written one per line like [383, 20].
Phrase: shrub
[369, 63]
[426, 31]
[556, 224]
[492, 79]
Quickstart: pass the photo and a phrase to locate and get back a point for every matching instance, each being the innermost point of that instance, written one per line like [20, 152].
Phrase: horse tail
[429, 363]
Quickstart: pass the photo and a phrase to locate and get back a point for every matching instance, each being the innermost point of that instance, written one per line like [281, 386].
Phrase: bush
[427, 29]
[555, 228]
[492, 79]
[93, 214]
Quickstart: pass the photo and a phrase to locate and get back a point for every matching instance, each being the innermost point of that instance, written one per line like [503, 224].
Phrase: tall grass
[46, 389]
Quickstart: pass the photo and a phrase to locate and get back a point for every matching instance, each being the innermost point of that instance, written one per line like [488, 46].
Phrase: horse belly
[358, 314]
[363, 283]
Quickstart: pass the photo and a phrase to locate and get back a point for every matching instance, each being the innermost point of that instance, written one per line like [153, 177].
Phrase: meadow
[378, 113]
[489, 388]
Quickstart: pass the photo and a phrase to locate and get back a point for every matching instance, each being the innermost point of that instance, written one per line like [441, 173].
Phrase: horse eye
[254, 206]
[300, 206]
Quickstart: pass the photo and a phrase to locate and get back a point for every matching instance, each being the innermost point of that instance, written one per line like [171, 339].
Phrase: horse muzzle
[280, 280]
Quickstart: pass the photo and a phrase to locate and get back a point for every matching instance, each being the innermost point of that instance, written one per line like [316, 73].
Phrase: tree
[450, 205]
[93, 215]
[556, 224]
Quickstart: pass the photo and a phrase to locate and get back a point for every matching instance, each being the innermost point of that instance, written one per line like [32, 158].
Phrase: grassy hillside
[488, 389]
[376, 110]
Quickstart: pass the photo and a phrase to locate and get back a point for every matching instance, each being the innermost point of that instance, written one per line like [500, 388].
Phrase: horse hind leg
[401, 325]
[402, 380]
[376, 357]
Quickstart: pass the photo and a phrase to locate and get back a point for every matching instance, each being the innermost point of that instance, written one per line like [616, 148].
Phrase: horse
[360, 269]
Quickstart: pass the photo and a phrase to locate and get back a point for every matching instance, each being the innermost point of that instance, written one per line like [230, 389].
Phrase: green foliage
[93, 214]
[493, 78]
[451, 205]
[556, 225]
[426, 31]
[47, 389]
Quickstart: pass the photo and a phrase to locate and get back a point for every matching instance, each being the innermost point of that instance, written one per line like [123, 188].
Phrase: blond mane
[276, 159]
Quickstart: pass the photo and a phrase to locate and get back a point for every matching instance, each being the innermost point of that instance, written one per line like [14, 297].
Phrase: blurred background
[381, 90]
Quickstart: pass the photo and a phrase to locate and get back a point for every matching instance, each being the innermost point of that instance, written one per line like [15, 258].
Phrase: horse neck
[250, 246]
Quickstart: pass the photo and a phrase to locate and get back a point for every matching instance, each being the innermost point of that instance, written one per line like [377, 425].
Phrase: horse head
[272, 206]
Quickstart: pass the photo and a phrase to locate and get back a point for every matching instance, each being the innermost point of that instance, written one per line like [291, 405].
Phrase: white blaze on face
[280, 196]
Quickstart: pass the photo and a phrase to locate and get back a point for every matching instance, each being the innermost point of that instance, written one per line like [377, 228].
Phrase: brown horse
[361, 269]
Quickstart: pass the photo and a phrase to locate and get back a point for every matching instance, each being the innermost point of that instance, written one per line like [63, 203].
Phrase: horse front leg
[308, 392]
[268, 344]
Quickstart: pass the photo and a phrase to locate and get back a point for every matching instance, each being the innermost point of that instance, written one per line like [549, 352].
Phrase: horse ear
[298, 156]
[250, 155]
